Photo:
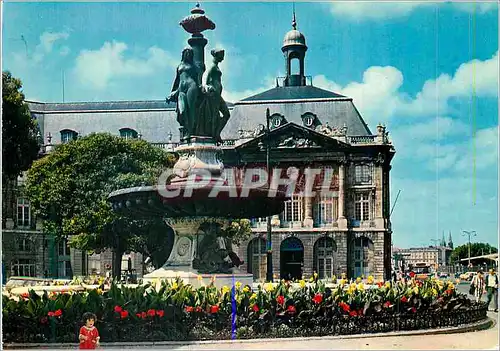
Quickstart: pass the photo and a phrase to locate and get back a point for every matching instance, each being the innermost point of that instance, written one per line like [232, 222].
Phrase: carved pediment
[292, 136]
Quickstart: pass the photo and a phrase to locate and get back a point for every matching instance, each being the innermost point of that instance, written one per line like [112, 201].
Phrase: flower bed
[181, 312]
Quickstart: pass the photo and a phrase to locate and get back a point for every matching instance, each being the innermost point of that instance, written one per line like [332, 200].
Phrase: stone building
[346, 231]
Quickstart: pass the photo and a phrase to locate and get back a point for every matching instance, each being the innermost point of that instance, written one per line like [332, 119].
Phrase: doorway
[291, 259]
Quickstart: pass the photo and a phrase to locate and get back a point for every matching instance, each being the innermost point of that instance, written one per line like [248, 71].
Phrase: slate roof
[100, 106]
[292, 93]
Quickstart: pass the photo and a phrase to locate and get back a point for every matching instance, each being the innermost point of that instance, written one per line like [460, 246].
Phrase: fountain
[198, 196]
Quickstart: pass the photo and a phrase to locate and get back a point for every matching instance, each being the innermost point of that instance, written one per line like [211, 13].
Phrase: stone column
[308, 219]
[342, 221]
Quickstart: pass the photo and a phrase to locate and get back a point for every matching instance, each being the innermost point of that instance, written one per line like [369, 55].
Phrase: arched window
[294, 66]
[324, 250]
[257, 258]
[362, 251]
[128, 133]
[67, 135]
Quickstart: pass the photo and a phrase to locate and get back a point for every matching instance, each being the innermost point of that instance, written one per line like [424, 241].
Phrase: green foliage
[69, 188]
[237, 230]
[174, 311]
[20, 144]
[476, 249]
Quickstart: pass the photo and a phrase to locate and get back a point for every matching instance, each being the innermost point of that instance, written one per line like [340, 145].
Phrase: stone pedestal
[198, 157]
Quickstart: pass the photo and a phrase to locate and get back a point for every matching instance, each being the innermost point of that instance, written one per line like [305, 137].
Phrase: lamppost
[469, 234]
[269, 271]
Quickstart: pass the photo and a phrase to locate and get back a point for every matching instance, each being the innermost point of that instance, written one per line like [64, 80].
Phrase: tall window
[64, 269]
[323, 257]
[362, 207]
[363, 174]
[293, 210]
[24, 245]
[67, 135]
[362, 257]
[23, 268]
[325, 210]
[257, 258]
[63, 247]
[128, 133]
[23, 212]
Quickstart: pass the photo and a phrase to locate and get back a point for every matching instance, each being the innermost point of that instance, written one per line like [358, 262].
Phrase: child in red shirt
[89, 335]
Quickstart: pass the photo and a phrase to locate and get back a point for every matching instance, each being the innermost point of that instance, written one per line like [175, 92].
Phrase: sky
[429, 71]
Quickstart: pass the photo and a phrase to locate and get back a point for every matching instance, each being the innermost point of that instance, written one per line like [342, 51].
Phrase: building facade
[346, 229]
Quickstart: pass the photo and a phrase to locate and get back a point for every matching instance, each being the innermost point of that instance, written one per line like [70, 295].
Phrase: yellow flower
[253, 297]
[361, 287]
[315, 275]
[451, 286]
[434, 292]
[342, 282]
[225, 289]
[200, 278]
[370, 280]
[246, 288]
[358, 280]
[311, 279]
[302, 283]
[174, 286]
[269, 286]
[387, 284]
[238, 285]
[99, 291]
[415, 290]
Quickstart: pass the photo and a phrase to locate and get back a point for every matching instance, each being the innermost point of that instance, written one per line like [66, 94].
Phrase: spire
[450, 241]
[294, 21]
[443, 240]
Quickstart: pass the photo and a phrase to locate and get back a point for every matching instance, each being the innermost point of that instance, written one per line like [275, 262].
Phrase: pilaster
[342, 220]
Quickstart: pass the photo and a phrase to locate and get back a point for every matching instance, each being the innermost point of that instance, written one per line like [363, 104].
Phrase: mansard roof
[293, 93]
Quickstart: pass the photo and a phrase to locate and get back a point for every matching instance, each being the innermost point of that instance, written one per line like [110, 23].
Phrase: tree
[476, 249]
[69, 189]
[20, 143]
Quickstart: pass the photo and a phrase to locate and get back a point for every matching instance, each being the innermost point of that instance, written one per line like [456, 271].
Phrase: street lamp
[469, 234]
[269, 271]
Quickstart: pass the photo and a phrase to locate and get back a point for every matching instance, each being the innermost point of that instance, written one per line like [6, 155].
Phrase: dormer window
[128, 133]
[277, 120]
[309, 120]
[67, 135]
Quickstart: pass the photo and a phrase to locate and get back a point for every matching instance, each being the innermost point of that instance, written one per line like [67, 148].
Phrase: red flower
[449, 292]
[25, 295]
[189, 309]
[404, 299]
[123, 314]
[160, 313]
[50, 314]
[412, 274]
[151, 313]
[139, 315]
[58, 313]
[413, 309]
[280, 300]
[387, 304]
[198, 309]
[118, 309]
[255, 308]
[345, 306]
[44, 320]
[317, 299]
[144, 315]
[380, 284]
[360, 312]
[214, 309]
[353, 314]
[291, 309]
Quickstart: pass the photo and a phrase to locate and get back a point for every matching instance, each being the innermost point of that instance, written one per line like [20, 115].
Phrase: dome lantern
[294, 48]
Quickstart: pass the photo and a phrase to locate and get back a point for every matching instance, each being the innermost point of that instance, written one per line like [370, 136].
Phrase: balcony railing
[362, 139]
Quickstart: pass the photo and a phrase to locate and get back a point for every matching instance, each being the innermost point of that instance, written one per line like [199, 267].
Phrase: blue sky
[428, 71]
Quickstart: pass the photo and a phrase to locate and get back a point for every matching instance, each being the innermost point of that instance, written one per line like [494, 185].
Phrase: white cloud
[46, 44]
[97, 68]
[64, 51]
[379, 96]
[380, 11]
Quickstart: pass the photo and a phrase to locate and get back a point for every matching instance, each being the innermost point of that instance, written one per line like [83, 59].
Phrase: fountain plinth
[197, 198]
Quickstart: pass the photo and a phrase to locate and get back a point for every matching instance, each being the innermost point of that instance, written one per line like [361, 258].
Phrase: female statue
[186, 91]
[214, 103]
